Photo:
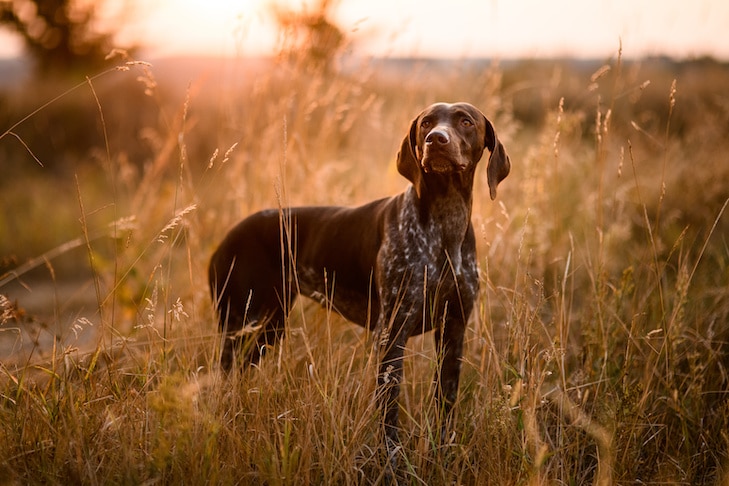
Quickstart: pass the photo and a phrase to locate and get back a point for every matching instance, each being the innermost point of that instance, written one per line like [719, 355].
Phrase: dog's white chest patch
[426, 244]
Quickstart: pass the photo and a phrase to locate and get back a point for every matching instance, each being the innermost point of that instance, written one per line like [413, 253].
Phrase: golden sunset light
[364, 242]
[428, 28]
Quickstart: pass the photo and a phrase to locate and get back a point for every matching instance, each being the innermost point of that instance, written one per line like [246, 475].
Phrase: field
[598, 352]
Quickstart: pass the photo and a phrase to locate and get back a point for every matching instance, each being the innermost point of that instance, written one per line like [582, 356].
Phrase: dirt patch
[43, 316]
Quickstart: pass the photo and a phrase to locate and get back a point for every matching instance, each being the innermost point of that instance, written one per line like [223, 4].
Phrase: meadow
[598, 352]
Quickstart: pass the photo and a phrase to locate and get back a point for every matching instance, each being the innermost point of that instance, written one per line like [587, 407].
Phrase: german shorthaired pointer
[401, 265]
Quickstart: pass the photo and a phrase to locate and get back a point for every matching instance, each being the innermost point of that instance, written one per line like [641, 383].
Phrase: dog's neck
[431, 186]
[445, 204]
[446, 198]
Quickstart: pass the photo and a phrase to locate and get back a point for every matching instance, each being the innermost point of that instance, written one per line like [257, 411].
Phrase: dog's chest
[434, 243]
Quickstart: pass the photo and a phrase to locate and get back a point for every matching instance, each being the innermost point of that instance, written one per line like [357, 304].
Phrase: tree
[61, 36]
[309, 36]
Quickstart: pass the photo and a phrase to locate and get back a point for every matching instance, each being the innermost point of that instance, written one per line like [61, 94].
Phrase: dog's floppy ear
[407, 159]
[499, 163]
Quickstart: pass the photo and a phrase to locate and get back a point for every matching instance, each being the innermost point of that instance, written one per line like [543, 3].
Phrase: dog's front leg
[388, 391]
[449, 343]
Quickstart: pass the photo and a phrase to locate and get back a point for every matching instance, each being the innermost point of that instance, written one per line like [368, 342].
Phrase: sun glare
[424, 28]
[197, 27]
[496, 28]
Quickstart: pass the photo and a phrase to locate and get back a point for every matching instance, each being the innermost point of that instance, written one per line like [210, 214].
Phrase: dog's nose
[438, 137]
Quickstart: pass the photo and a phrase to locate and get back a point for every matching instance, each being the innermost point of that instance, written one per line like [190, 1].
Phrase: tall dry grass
[597, 354]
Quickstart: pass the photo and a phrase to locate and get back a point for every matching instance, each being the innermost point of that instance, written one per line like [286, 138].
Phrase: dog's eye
[466, 122]
[425, 124]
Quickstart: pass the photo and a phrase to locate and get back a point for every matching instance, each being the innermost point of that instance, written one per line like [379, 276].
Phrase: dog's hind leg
[249, 326]
[247, 294]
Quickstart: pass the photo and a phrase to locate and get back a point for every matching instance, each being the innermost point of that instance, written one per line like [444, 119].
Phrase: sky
[438, 28]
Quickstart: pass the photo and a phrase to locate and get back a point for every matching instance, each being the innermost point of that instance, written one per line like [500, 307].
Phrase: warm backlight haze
[430, 28]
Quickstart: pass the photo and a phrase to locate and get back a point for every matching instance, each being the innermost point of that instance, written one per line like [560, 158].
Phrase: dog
[402, 265]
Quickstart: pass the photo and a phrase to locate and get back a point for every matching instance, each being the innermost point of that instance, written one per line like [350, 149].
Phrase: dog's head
[448, 139]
